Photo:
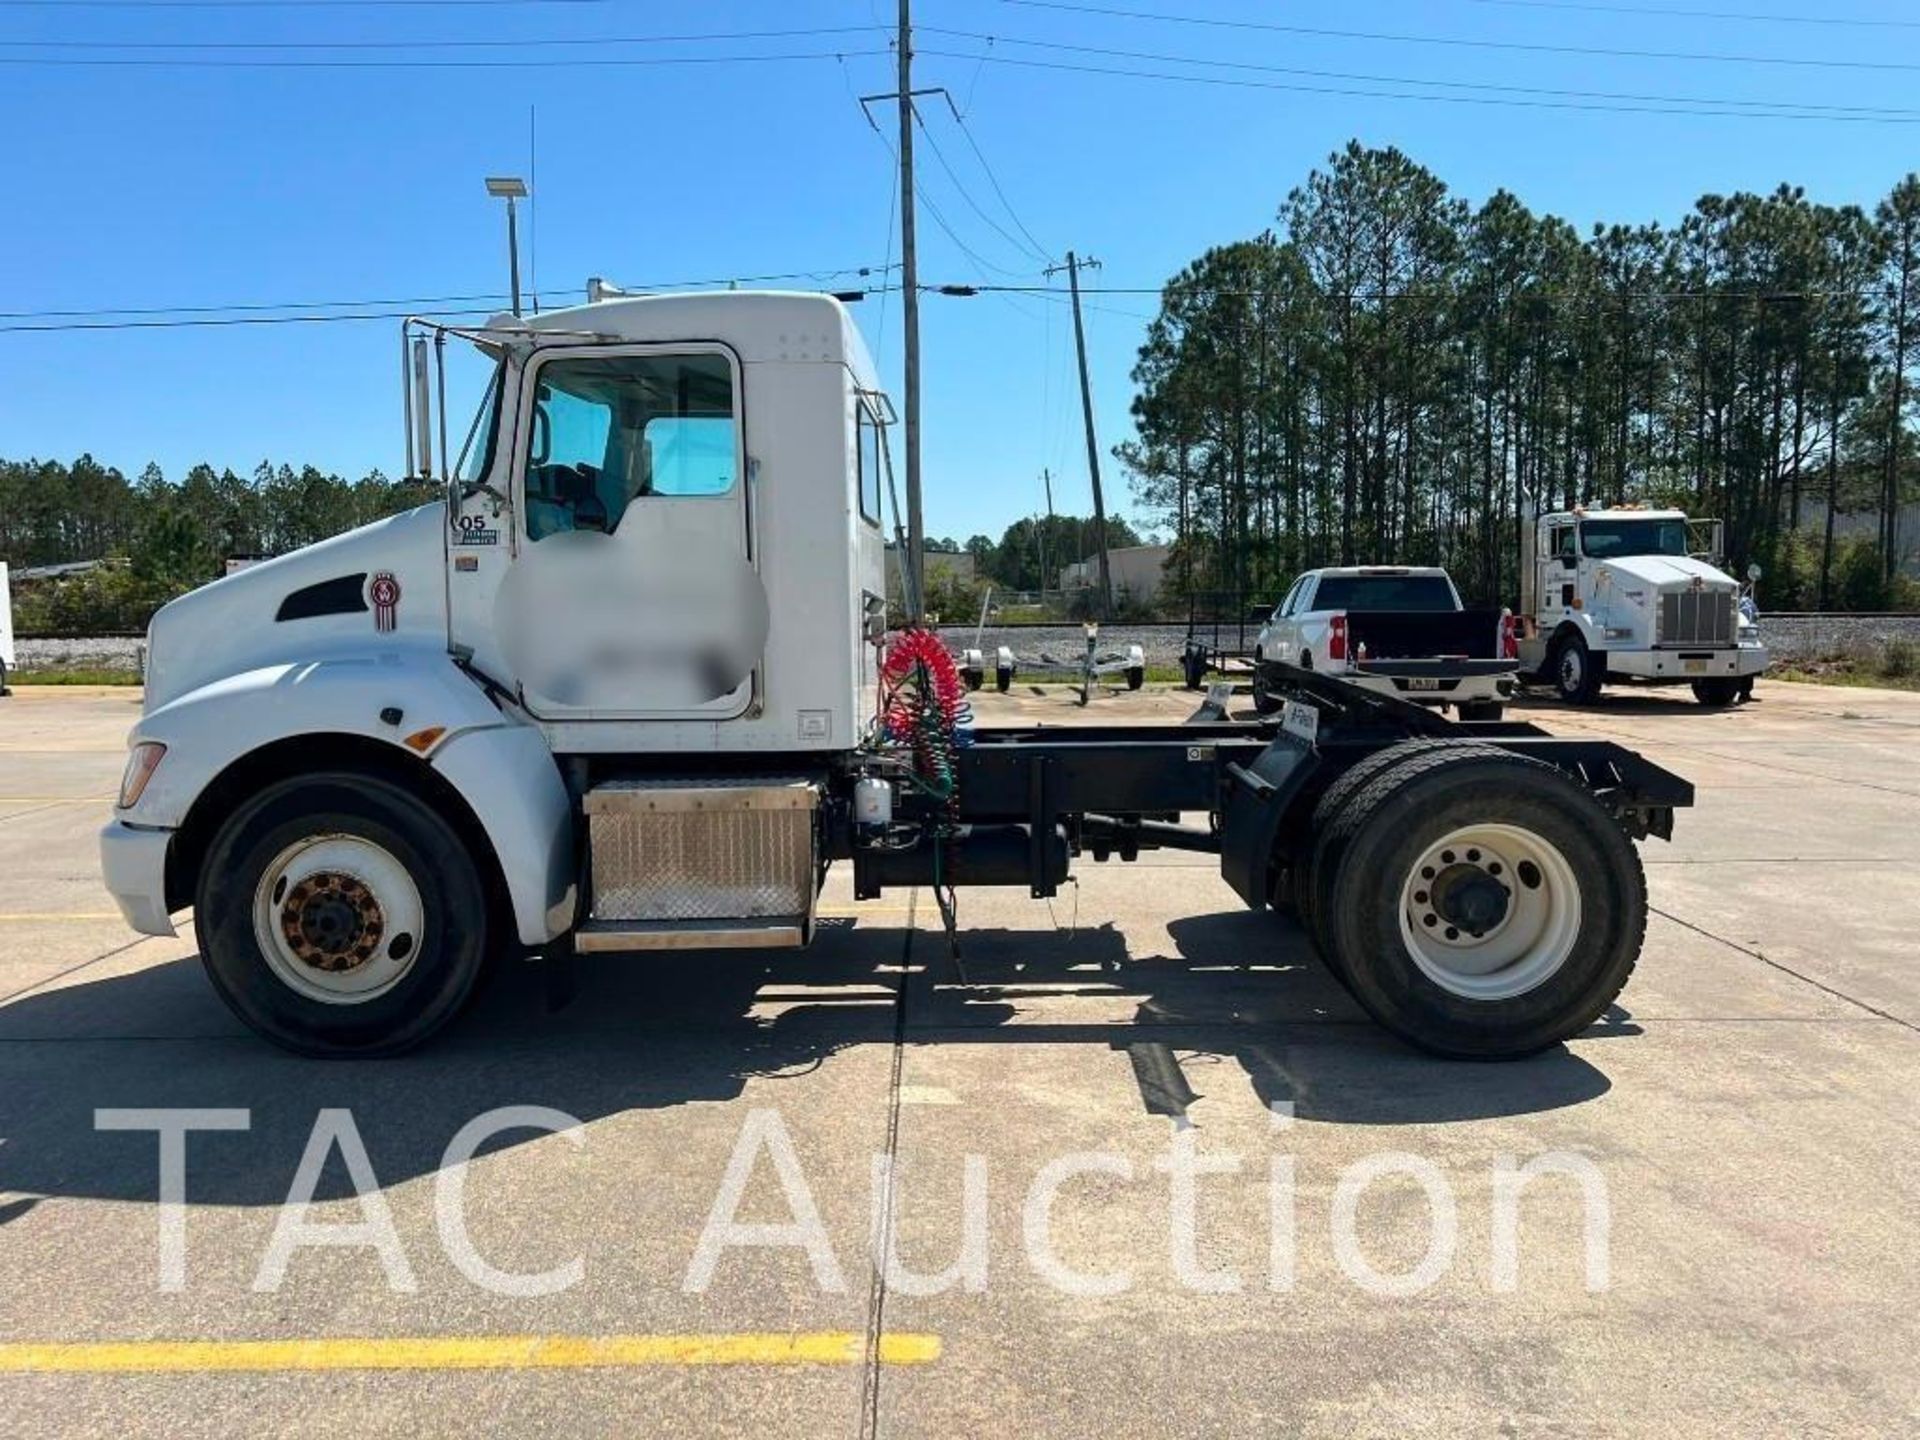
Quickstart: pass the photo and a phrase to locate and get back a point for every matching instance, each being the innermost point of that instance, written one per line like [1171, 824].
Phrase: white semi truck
[627, 689]
[1634, 594]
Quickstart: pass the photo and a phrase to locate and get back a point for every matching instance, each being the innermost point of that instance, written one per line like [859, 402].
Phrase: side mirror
[1753, 571]
[422, 409]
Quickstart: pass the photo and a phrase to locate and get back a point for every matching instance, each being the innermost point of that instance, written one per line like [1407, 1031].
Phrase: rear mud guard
[1259, 797]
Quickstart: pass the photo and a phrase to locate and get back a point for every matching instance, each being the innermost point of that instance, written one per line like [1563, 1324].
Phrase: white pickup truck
[1397, 629]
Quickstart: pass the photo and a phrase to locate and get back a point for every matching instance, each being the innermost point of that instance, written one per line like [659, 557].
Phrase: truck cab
[1637, 595]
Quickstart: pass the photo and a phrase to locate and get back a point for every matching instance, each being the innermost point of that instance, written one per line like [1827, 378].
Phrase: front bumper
[134, 862]
[1678, 664]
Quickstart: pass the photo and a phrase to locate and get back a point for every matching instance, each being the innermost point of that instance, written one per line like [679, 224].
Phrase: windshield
[1607, 539]
[1385, 592]
[476, 455]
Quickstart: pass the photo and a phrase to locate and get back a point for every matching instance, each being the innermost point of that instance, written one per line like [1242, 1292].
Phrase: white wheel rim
[1517, 949]
[1571, 668]
[338, 919]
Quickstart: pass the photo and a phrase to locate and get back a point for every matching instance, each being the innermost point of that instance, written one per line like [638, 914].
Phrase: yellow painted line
[462, 1352]
[55, 799]
[29, 917]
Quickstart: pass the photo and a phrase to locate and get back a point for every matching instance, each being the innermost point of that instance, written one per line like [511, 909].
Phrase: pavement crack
[883, 1200]
[74, 969]
[1785, 969]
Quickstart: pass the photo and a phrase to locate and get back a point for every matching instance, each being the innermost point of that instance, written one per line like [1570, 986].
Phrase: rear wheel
[1003, 679]
[340, 914]
[1717, 690]
[1485, 905]
[1136, 676]
[1332, 830]
[1576, 671]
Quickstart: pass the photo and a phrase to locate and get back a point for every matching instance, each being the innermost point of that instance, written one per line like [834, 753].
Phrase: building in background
[1137, 570]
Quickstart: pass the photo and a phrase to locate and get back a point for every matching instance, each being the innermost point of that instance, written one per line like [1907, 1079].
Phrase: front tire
[1717, 690]
[339, 914]
[1577, 673]
[1486, 906]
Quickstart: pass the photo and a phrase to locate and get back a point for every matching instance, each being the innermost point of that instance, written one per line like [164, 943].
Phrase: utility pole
[1046, 481]
[1073, 267]
[910, 283]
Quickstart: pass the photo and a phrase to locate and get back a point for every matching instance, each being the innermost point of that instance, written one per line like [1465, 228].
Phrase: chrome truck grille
[1697, 617]
[690, 852]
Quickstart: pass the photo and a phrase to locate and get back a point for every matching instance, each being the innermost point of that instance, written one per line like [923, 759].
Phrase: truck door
[1559, 570]
[633, 592]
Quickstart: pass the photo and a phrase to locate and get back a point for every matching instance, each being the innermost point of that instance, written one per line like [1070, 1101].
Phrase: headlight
[141, 764]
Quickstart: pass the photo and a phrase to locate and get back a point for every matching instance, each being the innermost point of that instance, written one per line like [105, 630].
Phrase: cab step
[603, 935]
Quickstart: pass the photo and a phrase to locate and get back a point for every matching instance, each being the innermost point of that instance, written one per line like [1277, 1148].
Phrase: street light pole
[510, 188]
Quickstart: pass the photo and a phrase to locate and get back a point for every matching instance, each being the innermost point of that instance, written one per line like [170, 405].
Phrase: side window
[611, 432]
[872, 460]
[1291, 598]
[1302, 595]
[1563, 540]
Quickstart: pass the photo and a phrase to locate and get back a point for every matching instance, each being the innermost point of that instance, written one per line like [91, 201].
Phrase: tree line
[160, 538]
[1389, 374]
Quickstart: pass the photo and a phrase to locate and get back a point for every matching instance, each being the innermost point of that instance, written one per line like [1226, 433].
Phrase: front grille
[1697, 617]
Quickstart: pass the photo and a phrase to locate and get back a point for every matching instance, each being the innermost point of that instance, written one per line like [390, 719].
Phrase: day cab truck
[626, 692]
[1637, 595]
[1397, 629]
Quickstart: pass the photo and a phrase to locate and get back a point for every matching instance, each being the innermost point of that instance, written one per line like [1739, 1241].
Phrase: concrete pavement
[1746, 1109]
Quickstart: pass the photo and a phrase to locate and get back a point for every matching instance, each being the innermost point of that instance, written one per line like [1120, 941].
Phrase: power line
[1764, 107]
[967, 195]
[569, 40]
[281, 4]
[1665, 12]
[1522, 296]
[318, 311]
[1376, 94]
[571, 62]
[1461, 42]
[959, 119]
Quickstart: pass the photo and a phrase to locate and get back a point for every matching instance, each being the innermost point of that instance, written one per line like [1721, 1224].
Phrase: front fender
[502, 769]
[207, 729]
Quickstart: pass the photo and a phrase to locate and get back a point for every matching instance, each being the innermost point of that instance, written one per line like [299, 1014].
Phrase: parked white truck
[1397, 629]
[628, 688]
[1634, 594]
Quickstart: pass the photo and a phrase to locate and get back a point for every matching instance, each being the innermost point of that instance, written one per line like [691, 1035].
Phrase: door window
[611, 432]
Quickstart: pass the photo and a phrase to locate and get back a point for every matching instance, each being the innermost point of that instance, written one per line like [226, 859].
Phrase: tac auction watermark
[765, 1162]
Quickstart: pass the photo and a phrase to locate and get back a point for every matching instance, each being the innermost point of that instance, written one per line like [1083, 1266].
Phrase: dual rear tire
[1475, 902]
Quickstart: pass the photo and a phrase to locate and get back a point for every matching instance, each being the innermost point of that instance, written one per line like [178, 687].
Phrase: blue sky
[144, 185]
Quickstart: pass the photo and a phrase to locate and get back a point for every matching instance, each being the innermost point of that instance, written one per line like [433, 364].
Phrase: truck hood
[316, 603]
[1667, 572]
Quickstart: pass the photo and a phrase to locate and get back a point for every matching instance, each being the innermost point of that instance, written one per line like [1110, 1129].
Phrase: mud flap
[1258, 801]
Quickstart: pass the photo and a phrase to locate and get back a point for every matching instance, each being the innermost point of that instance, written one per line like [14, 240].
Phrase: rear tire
[1718, 690]
[1003, 680]
[339, 914]
[974, 678]
[1562, 940]
[1136, 677]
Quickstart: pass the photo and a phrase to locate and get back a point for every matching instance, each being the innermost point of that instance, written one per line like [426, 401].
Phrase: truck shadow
[1234, 993]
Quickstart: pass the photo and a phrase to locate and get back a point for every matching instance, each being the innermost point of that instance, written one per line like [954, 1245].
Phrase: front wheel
[339, 914]
[1576, 671]
[1486, 905]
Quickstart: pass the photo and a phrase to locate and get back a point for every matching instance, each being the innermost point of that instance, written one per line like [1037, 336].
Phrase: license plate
[1696, 667]
[1300, 721]
[1423, 682]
